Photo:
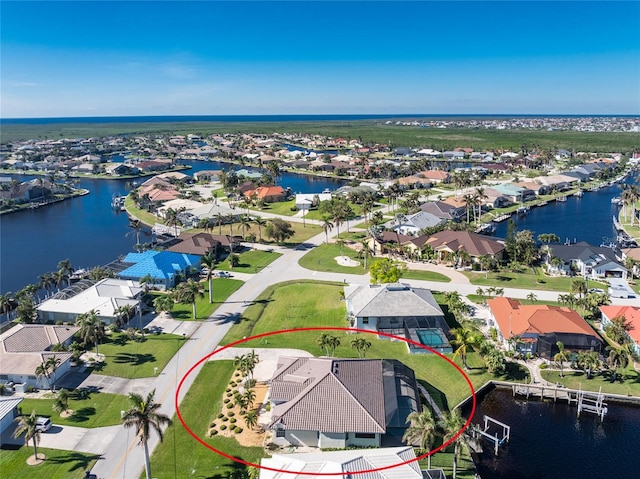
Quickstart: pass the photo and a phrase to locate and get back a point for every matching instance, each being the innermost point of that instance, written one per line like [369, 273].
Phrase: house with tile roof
[25, 346]
[401, 310]
[269, 194]
[631, 314]
[105, 297]
[449, 244]
[539, 327]
[306, 465]
[163, 267]
[335, 403]
[201, 244]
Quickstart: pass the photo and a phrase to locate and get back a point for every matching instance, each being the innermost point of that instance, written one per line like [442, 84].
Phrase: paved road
[123, 460]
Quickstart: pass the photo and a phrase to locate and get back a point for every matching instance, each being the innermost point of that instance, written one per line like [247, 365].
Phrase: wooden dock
[544, 392]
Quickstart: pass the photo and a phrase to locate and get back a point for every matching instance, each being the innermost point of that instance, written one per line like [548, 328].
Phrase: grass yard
[96, 409]
[58, 465]
[425, 275]
[222, 289]
[577, 380]
[526, 280]
[127, 358]
[251, 261]
[306, 304]
[180, 452]
[322, 258]
[280, 208]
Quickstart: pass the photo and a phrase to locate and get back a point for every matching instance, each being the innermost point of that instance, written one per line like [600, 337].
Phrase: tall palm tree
[66, 269]
[6, 303]
[27, 425]
[47, 369]
[588, 360]
[251, 419]
[451, 424]
[361, 345]
[164, 302]
[61, 403]
[421, 431]
[560, 357]
[209, 260]
[136, 227]
[46, 282]
[189, 292]
[219, 221]
[463, 338]
[144, 416]
[260, 223]
[618, 358]
[245, 224]
[329, 343]
[171, 219]
[327, 226]
[91, 328]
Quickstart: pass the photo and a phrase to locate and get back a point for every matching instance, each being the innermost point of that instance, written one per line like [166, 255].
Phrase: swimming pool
[432, 337]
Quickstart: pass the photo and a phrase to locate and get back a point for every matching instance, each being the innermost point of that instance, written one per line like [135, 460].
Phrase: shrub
[213, 432]
[229, 406]
[232, 383]
[226, 400]
[229, 394]
[233, 420]
[228, 390]
[544, 366]
[225, 419]
[242, 412]
[220, 416]
[268, 407]
[213, 424]
[223, 427]
[250, 383]
[238, 430]
[231, 414]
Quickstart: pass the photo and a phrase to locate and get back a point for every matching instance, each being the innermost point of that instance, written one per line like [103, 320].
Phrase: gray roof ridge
[289, 404]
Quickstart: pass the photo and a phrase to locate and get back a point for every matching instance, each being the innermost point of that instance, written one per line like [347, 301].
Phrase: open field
[96, 409]
[578, 380]
[59, 464]
[128, 358]
[526, 280]
[322, 258]
[222, 289]
[366, 130]
[251, 261]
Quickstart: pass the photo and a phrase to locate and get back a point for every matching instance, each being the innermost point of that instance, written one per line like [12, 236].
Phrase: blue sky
[301, 57]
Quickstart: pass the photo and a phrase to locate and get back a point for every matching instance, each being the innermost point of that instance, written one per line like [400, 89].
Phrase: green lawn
[251, 261]
[131, 359]
[425, 275]
[306, 304]
[577, 380]
[222, 289]
[95, 410]
[322, 258]
[280, 208]
[59, 464]
[526, 280]
[182, 453]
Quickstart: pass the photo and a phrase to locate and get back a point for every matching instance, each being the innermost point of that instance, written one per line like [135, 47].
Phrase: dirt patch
[32, 460]
[248, 437]
[67, 413]
[346, 261]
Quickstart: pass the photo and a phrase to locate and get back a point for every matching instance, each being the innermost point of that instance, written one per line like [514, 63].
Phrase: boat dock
[478, 433]
[586, 401]
[616, 224]
[501, 218]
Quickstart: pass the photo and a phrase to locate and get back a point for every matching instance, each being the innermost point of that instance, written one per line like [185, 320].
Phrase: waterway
[87, 230]
[587, 218]
[549, 441]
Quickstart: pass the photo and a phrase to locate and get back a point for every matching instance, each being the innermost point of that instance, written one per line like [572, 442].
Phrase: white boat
[523, 210]
[616, 200]
[562, 199]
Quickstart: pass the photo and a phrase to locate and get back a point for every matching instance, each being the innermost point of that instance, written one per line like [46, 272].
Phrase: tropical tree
[386, 270]
[329, 343]
[188, 293]
[548, 238]
[421, 431]
[144, 416]
[27, 425]
[209, 260]
[618, 358]
[171, 219]
[6, 303]
[61, 403]
[66, 269]
[451, 424]
[245, 224]
[618, 329]
[164, 302]
[327, 226]
[579, 286]
[464, 338]
[279, 230]
[588, 361]
[47, 369]
[136, 227]
[260, 223]
[495, 361]
[91, 328]
[250, 397]
[532, 297]
[560, 357]
[251, 419]
[361, 345]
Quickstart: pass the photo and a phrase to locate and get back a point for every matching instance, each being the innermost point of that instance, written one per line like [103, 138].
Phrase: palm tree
[421, 431]
[47, 369]
[618, 358]
[61, 404]
[588, 360]
[136, 227]
[91, 328]
[209, 261]
[463, 338]
[171, 219]
[361, 345]
[6, 303]
[164, 303]
[188, 293]
[143, 416]
[451, 425]
[560, 357]
[327, 226]
[328, 343]
[260, 223]
[251, 419]
[532, 297]
[65, 268]
[250, 397]
[245, 224]
[27, 425]
[46, 282]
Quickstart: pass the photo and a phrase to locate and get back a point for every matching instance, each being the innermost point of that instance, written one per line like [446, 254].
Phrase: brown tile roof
[516, 319]
[472, 243]
[329, 395]
[35, 337]
[195, 243]
[631, 313]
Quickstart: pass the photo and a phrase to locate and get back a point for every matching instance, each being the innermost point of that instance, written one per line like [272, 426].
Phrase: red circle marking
[353, 330]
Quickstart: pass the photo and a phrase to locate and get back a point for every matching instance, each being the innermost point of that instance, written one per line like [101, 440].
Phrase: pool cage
[547, 344]
[429, 331]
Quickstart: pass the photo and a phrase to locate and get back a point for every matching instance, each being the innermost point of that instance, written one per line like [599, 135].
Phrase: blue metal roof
[158, 264]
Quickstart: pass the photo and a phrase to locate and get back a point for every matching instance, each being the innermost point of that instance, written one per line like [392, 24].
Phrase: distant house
[269, 194]
[336, 403]
[202, 244]
[25, 346]
[119, 169]
[104, 297]
[304, 200]
[588, 261]
[341, 463]
[449, 244]
[401, 310]
[443, 210]
[631, 314]
[412, 224]
[207, 175]
[539, 327]
[387, 241]
[162, 267]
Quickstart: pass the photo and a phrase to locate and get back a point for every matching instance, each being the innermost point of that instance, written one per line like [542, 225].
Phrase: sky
[123, 58]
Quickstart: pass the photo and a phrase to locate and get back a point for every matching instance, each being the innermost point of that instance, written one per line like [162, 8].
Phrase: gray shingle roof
[35, 337]
[394, 299]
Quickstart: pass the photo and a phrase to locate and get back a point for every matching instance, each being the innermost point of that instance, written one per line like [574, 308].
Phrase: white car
[43, 424]
[224, 274]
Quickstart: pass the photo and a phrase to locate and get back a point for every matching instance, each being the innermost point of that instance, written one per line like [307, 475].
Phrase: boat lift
[497, 441]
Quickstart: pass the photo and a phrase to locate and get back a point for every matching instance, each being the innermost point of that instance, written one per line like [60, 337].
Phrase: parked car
[43, 424]
[224, 274]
